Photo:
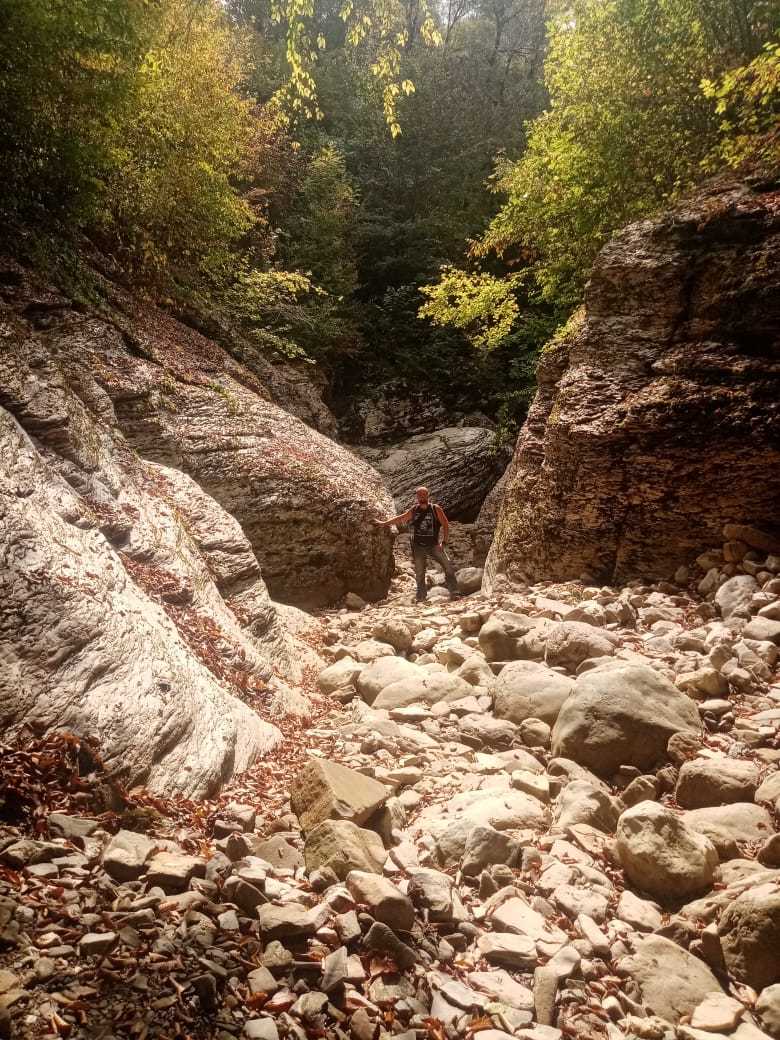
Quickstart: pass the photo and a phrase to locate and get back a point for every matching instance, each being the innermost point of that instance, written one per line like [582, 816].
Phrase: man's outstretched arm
[402, 518]
[444, 530]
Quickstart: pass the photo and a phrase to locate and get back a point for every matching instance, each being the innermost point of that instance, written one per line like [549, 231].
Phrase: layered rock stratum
[152, 492]
[657, 417]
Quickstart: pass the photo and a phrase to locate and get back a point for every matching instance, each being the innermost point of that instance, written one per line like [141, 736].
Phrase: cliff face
[145, 480]
[657, 418]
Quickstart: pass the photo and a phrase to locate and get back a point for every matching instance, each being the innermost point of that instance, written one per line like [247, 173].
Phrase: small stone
[279, 853]
[277, 958]
[347, 927]
[95, 944]
[260, 980]
[309, 1005]
[228, 921]
[639, 913]
[362, 1026]
[125, 855]
[386, 902]
[485, 846]
[71, 827]
[172, 871]
[383, 939]
[206, 988]
[281, 922]
[545, 991]
[335, 969]
[515, 952]
[717, 1013]
[261, 1029]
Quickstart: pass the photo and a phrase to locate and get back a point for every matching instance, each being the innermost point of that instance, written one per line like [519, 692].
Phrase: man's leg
[419, 555]
[439, 554]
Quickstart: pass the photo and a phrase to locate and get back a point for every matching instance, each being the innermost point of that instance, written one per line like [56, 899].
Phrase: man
[429, 531]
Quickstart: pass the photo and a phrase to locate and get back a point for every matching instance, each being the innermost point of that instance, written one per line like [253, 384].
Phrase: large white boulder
[663, 856]
[622, 715]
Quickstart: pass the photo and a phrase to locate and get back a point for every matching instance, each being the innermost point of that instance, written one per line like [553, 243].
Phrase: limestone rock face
[304, 503]
[621, 715]
[656, 415]
[133, 606]
[84, 647]
[459, 465]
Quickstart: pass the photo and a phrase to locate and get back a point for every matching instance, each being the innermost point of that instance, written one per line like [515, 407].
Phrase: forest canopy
[396, 190]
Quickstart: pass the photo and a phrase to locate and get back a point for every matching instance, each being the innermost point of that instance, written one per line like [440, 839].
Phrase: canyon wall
[657, 417]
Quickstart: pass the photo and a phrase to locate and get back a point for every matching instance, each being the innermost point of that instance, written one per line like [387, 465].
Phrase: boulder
[768, 1010]
[715, 781]
[394, 632]
[527, 689]
[92, 651]
[581, 801]
[762, 629]
[341, 673]
[379, 674]
[657, 370]
[661, 855]
[749, 930]
[499, 635]
[569, 643]
[671, 981]
[152, 470]
[343, 846]
[179, 399]
[385, 901]
[622, 715]
[727, 826]
[734, 596]
[423, 687]
[325, 790]
[458, 464]
[469, 579]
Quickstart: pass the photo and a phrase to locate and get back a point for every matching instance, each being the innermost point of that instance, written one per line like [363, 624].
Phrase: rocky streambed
[546, 812]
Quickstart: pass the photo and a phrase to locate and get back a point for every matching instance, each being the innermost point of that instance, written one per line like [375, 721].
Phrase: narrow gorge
[259, 778]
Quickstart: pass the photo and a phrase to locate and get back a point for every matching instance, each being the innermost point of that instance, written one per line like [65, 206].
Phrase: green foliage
[271, 306]
[627, 128]
[483, 306]
[170, 200]
[317, 223]
[67, 76]
[748, 101]
[382, 27]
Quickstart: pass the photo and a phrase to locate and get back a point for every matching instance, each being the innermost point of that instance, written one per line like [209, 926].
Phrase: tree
[627, 128]
[67, 76]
